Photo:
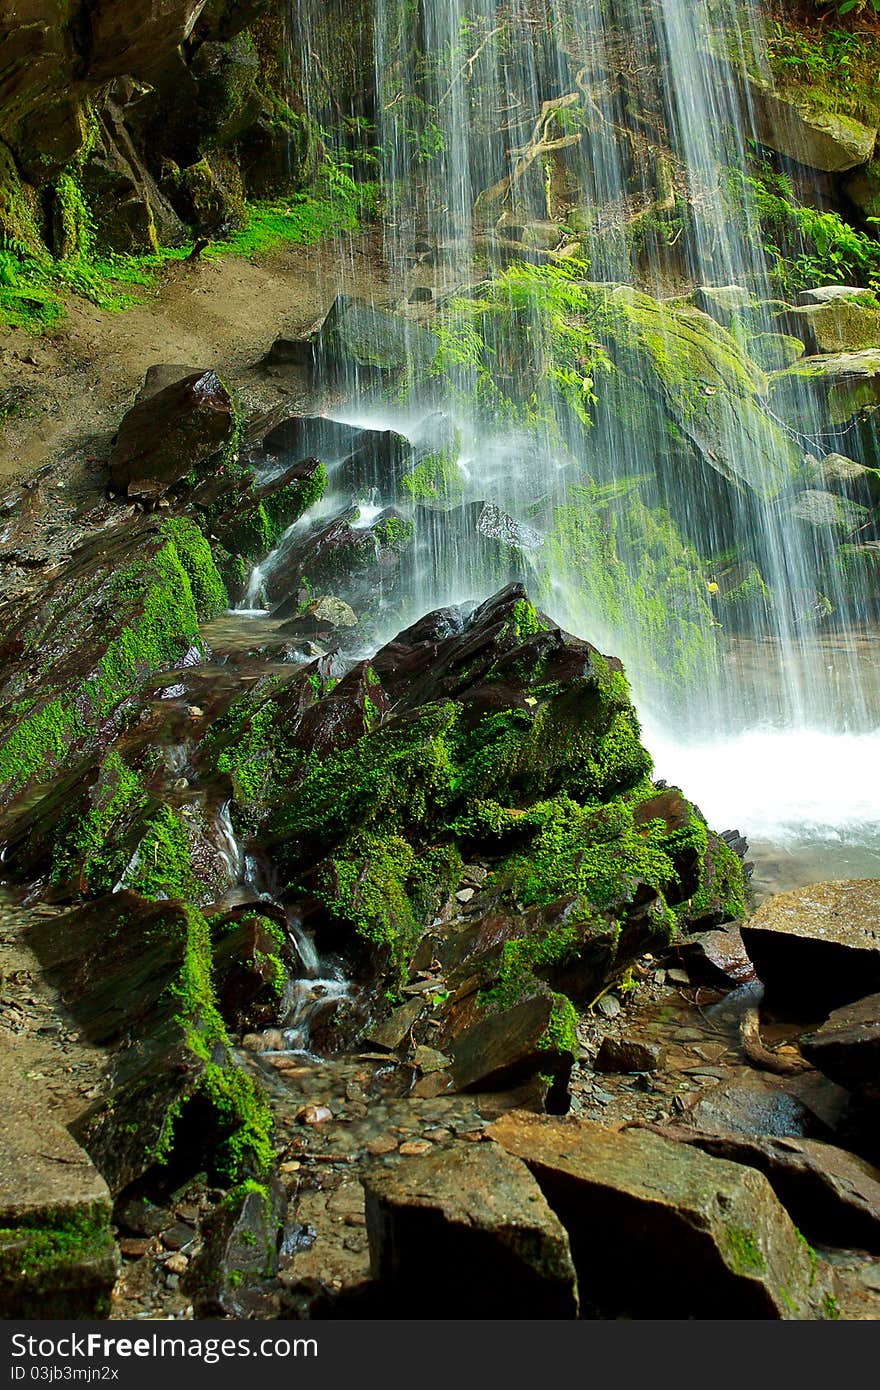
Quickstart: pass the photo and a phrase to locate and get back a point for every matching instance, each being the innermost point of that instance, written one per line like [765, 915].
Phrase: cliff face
[167, 114]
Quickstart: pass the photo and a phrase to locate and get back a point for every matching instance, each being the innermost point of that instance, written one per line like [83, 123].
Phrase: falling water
[615, 137]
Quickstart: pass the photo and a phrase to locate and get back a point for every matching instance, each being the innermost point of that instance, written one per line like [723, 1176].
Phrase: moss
[743, 1251]
[394, 533]
[194, 553]
[162, 864]
[436, 478]
[89, 845]
[241, 1112]
[561, 1034]
[34, 1256]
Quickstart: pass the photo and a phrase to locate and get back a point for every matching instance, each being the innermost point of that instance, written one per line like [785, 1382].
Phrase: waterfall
[570, 183]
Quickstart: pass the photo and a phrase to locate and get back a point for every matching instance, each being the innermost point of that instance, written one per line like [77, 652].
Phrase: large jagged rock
[180, 430]
[127, 603]
[826, 391]
[658, 1230]
[467, 1234]
[818, 947]
[831, 1195]
[137, 36]
[359, 564]
[136, 975]
[57, 1255]
[802, 130]
[240, 1251]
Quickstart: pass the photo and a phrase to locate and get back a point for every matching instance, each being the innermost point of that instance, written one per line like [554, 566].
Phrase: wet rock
[321, 618]
[717, 957]
[57, 1256]
[833, 388]
[841, 324]
[827, 510]
[360, 344]
[847, 1046]
[312, 436]
[728, 1247]
[837, 473]
[628, 1054]
[395, 1029]
[808, 132]
[290, 352]
[242, 1237]
[754, 1108]
[252, 959]
[818, 947]
[467, 1234]
[609, 1006]
[378, 461]
[723, 303]
[359, 564]
[136, 974]
[250, 517]
[831, 1195]
[163, 438]
[504, 1047]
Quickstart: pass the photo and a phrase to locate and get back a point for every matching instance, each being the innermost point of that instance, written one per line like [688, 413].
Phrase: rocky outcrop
[467, 1235]
[847, 1046]
[729, 1248]
[817, 947]
[799, 128]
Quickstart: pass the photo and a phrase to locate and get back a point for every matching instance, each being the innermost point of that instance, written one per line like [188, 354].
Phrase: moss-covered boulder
[797, 125]
[127, 604]
[846, 323]
[833, 388]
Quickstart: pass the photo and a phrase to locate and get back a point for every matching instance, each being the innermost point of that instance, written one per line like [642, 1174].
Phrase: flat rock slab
[754, 1107]
[818, 947]
[831, 1195]
[467, 1234]
[57, 1256]
[847, 1046]
[659, 1230]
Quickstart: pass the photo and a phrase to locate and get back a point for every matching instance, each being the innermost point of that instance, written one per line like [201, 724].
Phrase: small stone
[414, 1148]
[609, 1006]
[293, 1166]
[428, 1059]
[383, 1144]
[677, 976]
[626, 1055]
[177, 1236]
[177, 1263]
[134, 1247]
[475, 875]
[464, 895]
[314, 1114]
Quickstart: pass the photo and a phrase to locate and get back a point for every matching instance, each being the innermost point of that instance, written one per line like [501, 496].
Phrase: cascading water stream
[617, 138]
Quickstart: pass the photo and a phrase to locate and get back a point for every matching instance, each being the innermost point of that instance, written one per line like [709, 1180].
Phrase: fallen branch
[763, 1057]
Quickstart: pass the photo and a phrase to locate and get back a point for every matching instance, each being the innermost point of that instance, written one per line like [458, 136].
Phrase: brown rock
[659, 1230]
[627, 1054]
[166, 436]
[468, 1234]
[847, 1046]
[831, 1195]
[817, 947]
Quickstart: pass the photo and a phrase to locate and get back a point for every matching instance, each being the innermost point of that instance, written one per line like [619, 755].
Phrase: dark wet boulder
[128, 603]
[242, 1236]
[321, 619]
[359, 564]
[847, 1046]
[467, 1234]
[378, 461]
[716, 957]
[302, 436]
[180, 430]
[729, 1249]
[137, 977]
[252, 958]
[627, 1055]
[756, 1107]
[831, 1195]
[250, 517]
[817, 947]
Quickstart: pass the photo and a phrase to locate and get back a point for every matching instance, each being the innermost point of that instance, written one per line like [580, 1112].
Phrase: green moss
[33, 1255]
[162, 864]
[436, 478]
[89, 845]
[561, 1034]
[743, 1251]
[194, 553]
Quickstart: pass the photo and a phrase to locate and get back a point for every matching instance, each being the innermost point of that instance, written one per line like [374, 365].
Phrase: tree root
[783, 1063]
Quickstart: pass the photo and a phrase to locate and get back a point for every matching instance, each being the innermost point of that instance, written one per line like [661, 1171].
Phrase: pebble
[177, 1264]
[608, 1006]
[177, 1236]
[414, 1148]
[464, 895]
[134, 1247]
[383, 1144]
[314, 1114]
[293, 1166]
[678, 977]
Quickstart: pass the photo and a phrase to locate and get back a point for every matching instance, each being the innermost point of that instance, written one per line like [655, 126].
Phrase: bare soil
[69, 388]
